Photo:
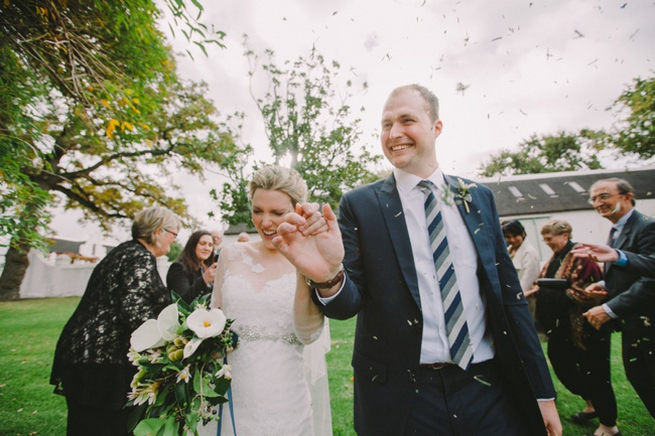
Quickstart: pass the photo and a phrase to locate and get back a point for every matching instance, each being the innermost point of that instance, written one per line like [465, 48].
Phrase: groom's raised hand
[316, 253]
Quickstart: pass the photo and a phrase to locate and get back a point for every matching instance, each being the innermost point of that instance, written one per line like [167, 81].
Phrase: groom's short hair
[431, 100]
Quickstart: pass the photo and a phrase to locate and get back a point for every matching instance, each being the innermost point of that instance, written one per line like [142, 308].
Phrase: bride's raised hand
[316, 255]
[314, 222]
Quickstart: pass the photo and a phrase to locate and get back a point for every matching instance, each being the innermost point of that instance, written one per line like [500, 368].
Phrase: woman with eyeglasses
[578, 352]
[189, 276]
[90, 367]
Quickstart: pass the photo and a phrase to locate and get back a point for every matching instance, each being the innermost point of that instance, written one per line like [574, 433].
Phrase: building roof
[65, 246]
[564, 191]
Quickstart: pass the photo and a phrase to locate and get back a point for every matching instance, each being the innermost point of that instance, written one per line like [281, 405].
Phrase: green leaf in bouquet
[191, 420]
[221, 385]
[207, 391]
[182, 306]
[171, 427]
[197, 380]
[149, 427]
[181, 394]
[135, 414]
[161, 397]
[215, 401]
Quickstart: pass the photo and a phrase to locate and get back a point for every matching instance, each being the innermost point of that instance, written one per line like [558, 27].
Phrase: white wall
[55, 276]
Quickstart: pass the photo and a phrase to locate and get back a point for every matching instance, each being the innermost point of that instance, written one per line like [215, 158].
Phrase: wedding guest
[631, 297]
[189, 276]
[243, 237]
[444, 343]
[524, 257]
[578, 353]
[256, 286]
[90, 366]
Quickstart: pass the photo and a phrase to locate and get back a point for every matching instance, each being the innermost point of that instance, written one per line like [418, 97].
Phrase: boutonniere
[462, 194]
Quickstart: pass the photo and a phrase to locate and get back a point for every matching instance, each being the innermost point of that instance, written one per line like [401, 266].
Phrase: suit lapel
[392, 211]
[623, 237]
[472, 218]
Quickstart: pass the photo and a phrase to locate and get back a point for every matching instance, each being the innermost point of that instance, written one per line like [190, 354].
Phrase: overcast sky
[528, 66]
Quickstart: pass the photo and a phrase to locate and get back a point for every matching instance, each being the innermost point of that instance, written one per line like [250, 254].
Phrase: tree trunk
[16, 263]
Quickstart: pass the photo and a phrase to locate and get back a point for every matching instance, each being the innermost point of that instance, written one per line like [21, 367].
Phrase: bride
[279, 385]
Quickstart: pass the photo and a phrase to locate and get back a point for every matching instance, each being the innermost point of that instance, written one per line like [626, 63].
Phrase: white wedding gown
[279, 385]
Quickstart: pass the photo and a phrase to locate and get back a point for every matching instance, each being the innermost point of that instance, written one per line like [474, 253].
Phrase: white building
[536, 198]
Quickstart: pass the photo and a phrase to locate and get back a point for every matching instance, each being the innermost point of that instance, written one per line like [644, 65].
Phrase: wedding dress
[279, 385]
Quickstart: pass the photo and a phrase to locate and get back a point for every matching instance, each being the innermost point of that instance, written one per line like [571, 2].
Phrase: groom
[444, 343]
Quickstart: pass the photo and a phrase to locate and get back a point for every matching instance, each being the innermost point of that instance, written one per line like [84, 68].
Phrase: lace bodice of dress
[257, 291]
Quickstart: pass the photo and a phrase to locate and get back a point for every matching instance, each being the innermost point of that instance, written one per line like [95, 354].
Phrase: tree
[636, 133]
[632, 135]
[543, 154]
[93, 114]
[309, 122]
[174, 252]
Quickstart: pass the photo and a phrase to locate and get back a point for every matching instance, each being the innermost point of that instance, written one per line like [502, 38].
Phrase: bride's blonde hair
[277, 178]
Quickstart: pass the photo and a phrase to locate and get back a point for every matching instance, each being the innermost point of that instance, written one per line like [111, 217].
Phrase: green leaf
[171, 426]
[181, 395]
[197, 380]
[149, 427]
[197, 4]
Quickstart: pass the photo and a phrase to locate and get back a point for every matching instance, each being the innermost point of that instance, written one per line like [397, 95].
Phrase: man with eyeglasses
[631, 296]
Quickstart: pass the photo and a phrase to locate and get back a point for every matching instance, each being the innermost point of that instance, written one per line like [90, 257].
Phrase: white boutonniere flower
[462, 194]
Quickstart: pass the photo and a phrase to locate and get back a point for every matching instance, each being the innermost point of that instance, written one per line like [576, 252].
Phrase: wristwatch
[325, 285]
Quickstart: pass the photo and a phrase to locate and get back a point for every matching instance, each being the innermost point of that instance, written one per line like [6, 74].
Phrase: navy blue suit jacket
[631, 293]
[381, 288]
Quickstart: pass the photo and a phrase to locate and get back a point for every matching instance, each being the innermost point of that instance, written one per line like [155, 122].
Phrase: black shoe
[583, 417]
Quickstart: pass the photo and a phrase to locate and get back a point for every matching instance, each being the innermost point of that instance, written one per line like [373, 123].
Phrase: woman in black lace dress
[90, 366]
[190, 276]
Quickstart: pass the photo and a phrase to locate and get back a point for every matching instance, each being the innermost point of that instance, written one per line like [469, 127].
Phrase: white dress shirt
[434, 345]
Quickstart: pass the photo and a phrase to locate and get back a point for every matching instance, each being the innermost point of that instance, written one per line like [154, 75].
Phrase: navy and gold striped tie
[457, 330]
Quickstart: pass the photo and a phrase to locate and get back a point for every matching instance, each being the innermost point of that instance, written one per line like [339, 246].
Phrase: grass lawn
[28, 406]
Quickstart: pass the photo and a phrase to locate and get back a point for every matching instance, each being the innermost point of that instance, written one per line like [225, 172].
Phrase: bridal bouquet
[181, 372]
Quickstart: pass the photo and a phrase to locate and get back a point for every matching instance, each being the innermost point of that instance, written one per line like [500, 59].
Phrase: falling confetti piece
[479, 379]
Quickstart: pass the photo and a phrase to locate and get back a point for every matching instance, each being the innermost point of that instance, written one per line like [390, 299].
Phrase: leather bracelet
[325, 285]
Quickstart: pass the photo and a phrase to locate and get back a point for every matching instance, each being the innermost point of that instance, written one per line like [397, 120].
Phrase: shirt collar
[621, 222]
[405, 181]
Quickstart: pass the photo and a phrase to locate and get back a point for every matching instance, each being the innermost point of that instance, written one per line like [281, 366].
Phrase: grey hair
[150, 219]
[277, 178]
[431, 100]
[557, 227]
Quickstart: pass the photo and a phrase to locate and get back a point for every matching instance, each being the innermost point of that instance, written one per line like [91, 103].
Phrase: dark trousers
[638, 344]
[462, 403]
[586, 372]
[84, 420]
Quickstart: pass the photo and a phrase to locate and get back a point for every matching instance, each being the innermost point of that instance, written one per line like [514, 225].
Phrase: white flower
[184, 375]
[144, 393]
[168, 323]
[225, 372]
[146, 336]
[206, 323]
[134, 356]
[192, 346]
[154, 356]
